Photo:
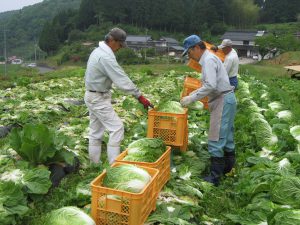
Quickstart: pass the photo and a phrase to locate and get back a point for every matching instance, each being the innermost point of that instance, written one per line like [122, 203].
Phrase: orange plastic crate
[190, 85]
[163, 164]
[129, 208]
[218, 53]
[196, 66]
[186, 139]
[170, 127]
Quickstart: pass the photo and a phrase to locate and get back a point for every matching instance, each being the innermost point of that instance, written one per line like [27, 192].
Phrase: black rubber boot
[229, 158]
[57, 174]
[216, 170]
[72, 168]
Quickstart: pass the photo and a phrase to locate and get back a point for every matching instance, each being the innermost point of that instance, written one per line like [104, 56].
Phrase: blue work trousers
[234, 82]
[226, 134]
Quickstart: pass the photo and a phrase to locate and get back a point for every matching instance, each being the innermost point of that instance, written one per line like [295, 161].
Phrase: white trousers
[103, 117]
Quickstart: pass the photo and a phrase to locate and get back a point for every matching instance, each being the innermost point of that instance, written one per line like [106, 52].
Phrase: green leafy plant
[39, 144]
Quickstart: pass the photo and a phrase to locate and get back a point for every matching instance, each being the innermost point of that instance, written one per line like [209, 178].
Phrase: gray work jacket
[215, 80]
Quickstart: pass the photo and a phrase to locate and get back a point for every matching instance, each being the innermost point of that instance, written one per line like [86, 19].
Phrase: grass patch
[268, 69]
[22, 76]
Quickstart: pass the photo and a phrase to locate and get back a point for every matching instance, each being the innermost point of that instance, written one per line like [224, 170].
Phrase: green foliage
[266, 43]
[13, 202]
[75, 35]
[32, 181]
[285, 217]
[87, 14]
[49, 41]
[174, 214]
[276, 11]
[40, 145]
[286, 191]
[244, 13]
[127, 56]
[273, 43]
[24, 26]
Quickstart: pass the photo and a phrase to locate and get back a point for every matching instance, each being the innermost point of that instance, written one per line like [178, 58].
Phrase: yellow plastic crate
[170, 127]
[190, 85]
[163, 164]
[128, 208]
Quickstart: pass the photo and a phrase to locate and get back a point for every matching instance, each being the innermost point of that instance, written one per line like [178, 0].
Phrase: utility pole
[146, 44]
[35, 45]
[5, 57]
[35, 52]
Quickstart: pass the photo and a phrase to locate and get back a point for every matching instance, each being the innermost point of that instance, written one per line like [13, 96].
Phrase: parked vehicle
[31, 65]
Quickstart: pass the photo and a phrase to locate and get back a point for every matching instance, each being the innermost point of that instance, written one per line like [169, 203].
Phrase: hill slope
[23, 26]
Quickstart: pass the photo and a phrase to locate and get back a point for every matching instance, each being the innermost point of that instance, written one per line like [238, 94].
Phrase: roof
[138, 38]
[242, 35]
[169, 40]
[177, 47]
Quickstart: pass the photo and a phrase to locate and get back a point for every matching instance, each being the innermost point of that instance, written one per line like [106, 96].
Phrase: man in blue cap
[222, 107]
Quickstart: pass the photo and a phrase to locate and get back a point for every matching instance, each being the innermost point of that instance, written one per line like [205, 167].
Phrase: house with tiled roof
[244, 41]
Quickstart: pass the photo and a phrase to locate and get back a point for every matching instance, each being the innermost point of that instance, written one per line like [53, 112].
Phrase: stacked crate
[163, 165]
[172, 128]
[190, 85]
[116, 207]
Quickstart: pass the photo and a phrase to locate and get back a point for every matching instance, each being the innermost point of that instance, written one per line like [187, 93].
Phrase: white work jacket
[231, 63]
[103, 70]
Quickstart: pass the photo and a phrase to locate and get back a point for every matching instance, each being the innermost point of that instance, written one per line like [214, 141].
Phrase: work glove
[214, 48]
[145, 102]
[186, 101]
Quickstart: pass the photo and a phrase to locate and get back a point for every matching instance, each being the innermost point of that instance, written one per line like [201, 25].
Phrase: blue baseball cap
[189, 42]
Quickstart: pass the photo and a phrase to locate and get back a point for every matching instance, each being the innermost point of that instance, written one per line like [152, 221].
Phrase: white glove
[186, 101]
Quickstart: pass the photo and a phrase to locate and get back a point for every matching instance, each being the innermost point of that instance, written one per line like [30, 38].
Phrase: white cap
[225, 43]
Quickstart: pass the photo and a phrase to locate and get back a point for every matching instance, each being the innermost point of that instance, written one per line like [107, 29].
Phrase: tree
[266, 43]
[243, 13]
[127, 56]
[278, 11]
[75, 35]
[288, 42]
[87, 14]
[48, 41]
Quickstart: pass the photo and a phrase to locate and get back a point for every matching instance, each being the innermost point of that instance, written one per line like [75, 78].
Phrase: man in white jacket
[231, 62]
[102, 71]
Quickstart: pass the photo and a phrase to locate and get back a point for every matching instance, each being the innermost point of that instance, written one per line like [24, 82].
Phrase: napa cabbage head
[286, 191]
[286, 217]
[197, 105]
[295, 132]
[275, 106]
[126, 177]
[285, 115]
[67, 216]
[170, 107]
[264, 134]
[145, 150]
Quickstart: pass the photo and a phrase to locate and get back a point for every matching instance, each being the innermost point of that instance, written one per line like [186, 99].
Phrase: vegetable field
[263, 189]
